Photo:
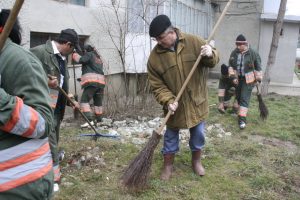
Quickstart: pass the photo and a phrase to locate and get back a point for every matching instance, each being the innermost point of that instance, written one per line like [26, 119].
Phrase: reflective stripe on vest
[57, 174]
[92, 78]
[98, 110]
[53, 97]
[24, 163]
[243, 111]
[85, 107]
[221, 92]
[25, 121]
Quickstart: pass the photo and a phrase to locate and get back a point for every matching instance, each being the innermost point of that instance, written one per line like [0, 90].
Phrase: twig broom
[262, 108]
[264, 112]
[135, 177]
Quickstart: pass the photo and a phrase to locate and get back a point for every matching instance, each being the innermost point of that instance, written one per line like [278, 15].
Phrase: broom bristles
[135, 177]
[262, 108]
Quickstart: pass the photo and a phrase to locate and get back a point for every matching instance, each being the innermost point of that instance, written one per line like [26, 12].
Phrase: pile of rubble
[138, 131]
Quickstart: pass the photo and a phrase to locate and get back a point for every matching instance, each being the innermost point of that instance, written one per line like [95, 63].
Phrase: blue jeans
[196, 143]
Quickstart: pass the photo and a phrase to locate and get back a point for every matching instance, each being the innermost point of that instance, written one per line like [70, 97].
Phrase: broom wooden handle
[160, 129]
[73, 104]
[10, 22]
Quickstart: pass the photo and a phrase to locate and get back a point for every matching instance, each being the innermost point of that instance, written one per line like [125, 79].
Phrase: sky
[292, 8]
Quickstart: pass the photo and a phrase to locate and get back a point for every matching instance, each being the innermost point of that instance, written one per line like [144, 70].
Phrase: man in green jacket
[245, 69]
[92, 83]
[53, 56]
[169, 64]
[25, 122]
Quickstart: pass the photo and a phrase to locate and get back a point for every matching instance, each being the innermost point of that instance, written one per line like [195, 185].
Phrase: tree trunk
[273, 48]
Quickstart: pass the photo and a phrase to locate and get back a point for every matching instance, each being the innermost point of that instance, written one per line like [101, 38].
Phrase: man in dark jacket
[245, 69]
[226, 91]
[169, 64]
[92, 82]
[53, 57]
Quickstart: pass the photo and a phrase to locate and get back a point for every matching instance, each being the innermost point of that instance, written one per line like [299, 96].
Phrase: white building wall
[94, 21]
[283, 69]
[138, 50]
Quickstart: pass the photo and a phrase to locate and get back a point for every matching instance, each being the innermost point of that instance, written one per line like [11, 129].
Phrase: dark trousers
[243, 92]
[95, 93]
[243, 95]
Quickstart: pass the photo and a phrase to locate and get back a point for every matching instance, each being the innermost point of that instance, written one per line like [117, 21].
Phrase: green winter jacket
[92, 70]
[167, 72]
[91, 63]
[22, 76]
[252, 61]
[50, 64]
[25, 123]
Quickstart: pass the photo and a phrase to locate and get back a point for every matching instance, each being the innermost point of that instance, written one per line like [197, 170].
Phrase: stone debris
[138, 131]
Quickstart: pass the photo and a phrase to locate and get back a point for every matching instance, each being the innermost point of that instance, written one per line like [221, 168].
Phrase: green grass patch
[260, 162]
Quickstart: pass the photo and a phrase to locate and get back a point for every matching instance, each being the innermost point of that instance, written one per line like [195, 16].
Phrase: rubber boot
[221, 108]
[196, 163]
[168, 167]
[242, 122]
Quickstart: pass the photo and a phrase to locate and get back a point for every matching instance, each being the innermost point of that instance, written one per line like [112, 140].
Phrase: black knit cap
[158, 25]
[88, 48]
[224, 69]
[241, 39]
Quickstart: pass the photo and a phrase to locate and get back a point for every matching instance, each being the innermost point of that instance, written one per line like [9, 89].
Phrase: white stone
[138, 141]
[152, 124]
[210, 127]
[228, 133]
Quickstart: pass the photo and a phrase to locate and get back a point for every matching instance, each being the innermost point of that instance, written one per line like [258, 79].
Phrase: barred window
[75, 2]
[191, 16]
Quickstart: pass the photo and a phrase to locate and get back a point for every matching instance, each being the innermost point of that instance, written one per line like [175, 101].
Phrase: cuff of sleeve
[172, 100]
[4, 97]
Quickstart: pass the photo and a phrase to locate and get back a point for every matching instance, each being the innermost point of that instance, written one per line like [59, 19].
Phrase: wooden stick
[10, 22]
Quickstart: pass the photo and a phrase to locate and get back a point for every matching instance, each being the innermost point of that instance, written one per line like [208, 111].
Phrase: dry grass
[260, 162]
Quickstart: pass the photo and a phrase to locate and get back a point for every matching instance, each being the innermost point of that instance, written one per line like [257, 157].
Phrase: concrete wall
[243, 17]
[283, 69]
[94, 21]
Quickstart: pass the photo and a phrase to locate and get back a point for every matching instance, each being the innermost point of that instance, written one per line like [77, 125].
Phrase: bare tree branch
[274, 45]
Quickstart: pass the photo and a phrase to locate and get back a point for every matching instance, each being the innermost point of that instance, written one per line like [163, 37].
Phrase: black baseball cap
[70, 35]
